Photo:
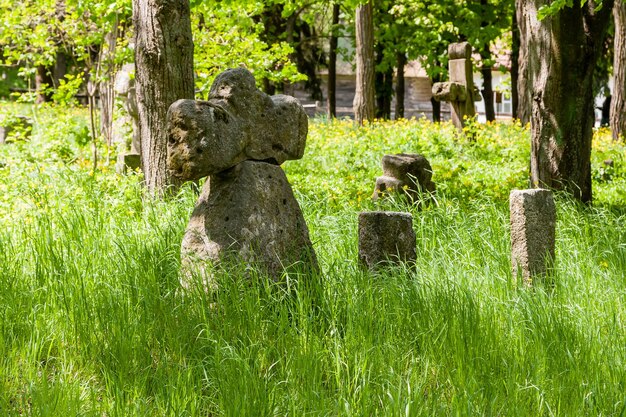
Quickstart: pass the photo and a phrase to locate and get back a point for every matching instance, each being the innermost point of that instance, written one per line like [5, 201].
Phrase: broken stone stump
[408, 174]
[16, 128]
[460, 91]
[127, 161]
[386, 237]
[249, 212]
[533, 223]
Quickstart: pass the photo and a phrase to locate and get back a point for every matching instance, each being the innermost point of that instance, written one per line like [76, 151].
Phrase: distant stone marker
[533, 223]
[459, 91]
[386, 237]
[247, 210]
[408, 174]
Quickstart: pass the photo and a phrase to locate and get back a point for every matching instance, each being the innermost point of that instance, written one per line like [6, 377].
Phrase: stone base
[386, 237]
[247, 213]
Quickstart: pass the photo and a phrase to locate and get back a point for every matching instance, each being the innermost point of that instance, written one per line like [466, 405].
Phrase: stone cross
[459, 91]
[533, 222]
[247, 209]
[386, 238]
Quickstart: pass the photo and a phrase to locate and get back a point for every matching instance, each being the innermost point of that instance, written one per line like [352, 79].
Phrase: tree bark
[400, 62]
[562, 51]
[487, 91]
[332, 65]
[436, 104]
[383, 86]
[43, 84]
[618, 99]
[163, 74]
[515, 44]
[365, 94]
[524, 100]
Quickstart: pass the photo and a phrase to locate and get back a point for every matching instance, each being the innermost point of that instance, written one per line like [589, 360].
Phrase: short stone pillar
[408, 174]
[386, 238]
[247, 209]
[533, 223]
[460, 91]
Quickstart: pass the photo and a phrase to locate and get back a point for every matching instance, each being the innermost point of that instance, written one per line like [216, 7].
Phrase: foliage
[227, 36]
[93, 321]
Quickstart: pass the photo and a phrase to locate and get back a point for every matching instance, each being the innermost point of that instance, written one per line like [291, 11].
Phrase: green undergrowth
[93, 321]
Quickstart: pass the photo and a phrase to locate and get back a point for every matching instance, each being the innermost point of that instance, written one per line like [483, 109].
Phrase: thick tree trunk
[332, 65]
[163, 74]
[562, 51]
[524, 100]
[365, 94]
[400, 62]
[487, 92]
[515, 43]
[618, 101]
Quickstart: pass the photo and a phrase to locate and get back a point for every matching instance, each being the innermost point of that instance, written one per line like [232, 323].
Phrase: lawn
[93, 321]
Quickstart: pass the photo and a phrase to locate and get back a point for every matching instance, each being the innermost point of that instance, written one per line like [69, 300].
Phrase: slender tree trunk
[365, 94]
[43, 84]
[515, 43]
[107, 83]
[562, 51]
[618, 100]
[524, 100]
[400, 62]
[436, 104]
[332, 65]
[490, 112]
[383, 82]
[163, 74]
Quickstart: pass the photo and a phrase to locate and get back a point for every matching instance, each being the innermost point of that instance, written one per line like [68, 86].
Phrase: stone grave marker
[386, 237]
[407, 174]
[246, 210]
[533, 223]
[459, 91]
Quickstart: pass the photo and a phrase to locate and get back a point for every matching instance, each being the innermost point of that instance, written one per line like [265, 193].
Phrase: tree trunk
[436, 104]
[618, 101]
[383, 87]
[562, 52]
[163, 74]
[524, 101]
[487, 92]
[515, 43]
[400, 62]
[365, 94]
[332, 65]
[43, 84]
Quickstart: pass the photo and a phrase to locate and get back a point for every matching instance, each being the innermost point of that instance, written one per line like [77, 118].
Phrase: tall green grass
[93, 321]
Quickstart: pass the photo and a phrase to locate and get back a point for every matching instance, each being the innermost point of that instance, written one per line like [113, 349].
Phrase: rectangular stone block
[533, 224]
[386, 237]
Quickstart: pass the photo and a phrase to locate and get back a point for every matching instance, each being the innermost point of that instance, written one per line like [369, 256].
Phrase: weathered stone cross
[239, 138]
[459, 91]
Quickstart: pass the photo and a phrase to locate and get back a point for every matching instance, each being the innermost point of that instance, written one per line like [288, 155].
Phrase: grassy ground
[92, 321]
